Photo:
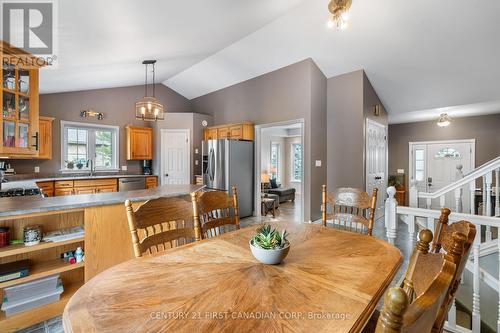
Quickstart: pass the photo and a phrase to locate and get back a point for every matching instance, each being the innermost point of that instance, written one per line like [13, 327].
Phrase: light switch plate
[195, 162]
[124, 168]
[37, 169]
[318, 163]
[196, 152]
[401, 171]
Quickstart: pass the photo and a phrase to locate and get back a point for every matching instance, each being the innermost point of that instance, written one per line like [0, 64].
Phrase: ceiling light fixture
[444, 120]
[340, 14]
[149, 109]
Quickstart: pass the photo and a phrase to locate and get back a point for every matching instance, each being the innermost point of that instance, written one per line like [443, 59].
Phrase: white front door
[175, 157]
[434, 165]
[376, 162]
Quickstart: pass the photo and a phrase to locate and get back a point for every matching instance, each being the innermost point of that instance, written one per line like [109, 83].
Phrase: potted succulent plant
[269, 246]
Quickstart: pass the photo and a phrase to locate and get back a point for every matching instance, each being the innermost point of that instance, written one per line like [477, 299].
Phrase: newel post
[413, 193]
[391, 215]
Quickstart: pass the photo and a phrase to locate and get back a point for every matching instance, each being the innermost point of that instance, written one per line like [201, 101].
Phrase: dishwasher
[130, 184]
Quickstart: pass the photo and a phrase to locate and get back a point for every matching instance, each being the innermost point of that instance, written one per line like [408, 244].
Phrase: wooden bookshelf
[44, 269]
[34, 316]
[45, 260]
[17, 249]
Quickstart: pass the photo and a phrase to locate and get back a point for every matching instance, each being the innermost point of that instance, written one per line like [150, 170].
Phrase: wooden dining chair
[444, 242]
[216, 212]
[349, 209]
[161, 223]
[414, 306]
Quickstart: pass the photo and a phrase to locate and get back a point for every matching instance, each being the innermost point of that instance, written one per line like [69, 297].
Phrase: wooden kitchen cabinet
[210, 134]
[19, 132]
[84, 190]
[61, 192]
[47, 188]
[151, 182]
[106, 189]
[45, 130]
[223, 133]
[139, 143]
[243, 131]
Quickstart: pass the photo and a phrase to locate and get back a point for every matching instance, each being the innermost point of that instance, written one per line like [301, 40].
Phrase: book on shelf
[64, 234]
[14, 270]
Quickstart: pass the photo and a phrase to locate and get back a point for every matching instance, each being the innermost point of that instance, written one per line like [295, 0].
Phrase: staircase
[479, 291]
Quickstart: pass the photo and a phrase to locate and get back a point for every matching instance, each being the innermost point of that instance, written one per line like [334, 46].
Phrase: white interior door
[376, 162]
[434, 166]
[175, 157]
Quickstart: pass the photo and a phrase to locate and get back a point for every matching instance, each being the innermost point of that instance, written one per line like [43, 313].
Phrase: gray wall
[297, 91]
[315, 141]
[118, 106]
[351, 98]
[345, 131]
[485, 129]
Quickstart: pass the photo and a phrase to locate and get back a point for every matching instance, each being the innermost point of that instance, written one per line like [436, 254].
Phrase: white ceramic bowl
[269, 257]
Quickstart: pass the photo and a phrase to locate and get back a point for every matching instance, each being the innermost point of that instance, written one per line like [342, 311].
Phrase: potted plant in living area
[269, 246]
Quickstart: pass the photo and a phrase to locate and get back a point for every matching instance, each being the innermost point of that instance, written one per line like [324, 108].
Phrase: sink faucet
[92, 168]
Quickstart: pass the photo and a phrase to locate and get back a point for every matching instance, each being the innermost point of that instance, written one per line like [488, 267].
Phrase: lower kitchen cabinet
[86, 186]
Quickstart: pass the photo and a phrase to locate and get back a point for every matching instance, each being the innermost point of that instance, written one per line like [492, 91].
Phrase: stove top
[19, 192]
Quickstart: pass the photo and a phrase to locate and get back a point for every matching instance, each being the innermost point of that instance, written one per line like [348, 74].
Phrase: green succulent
[269, 239]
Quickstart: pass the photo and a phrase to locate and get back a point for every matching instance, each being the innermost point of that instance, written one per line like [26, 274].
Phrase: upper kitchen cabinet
[139, 143]
[19, 130]
[45, 130]
[242, 131]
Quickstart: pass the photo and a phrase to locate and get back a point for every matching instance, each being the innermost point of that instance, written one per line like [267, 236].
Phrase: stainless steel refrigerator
[228, 163]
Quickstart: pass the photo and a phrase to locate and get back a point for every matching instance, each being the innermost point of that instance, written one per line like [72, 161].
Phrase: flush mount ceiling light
[339, 9]
[149, 108]
[444, 120]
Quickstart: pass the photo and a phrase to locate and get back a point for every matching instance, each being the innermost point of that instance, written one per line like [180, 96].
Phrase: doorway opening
[175, 164]
[279, 171]
[434, 164]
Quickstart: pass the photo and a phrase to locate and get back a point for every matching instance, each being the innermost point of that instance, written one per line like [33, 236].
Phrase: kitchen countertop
[29, 181]
[35, 204]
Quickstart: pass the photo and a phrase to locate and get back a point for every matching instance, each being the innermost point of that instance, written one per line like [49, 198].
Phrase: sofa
[284, 194]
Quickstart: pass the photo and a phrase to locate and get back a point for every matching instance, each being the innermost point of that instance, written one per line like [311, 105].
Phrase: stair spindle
[472, 189]
[476, 299]
[488, 179]
[497, 192]
[498, 248]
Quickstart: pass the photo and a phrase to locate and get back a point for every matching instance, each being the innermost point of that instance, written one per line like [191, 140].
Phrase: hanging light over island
[149, 108]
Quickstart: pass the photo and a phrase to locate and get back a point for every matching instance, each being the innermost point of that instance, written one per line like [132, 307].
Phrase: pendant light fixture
[339, 9]
[149, 109]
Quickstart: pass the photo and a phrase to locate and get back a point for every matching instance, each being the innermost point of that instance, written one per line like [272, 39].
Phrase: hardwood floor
[288, 211]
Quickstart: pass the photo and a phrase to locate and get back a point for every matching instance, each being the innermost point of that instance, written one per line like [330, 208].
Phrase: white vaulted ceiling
[420, 56]
[102, 43]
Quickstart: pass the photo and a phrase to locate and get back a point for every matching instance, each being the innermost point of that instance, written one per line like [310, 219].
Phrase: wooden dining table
[331, 281]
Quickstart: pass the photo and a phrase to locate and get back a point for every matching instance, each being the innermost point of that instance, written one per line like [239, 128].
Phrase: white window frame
[292, 157]
[278, 166]
[91, 149]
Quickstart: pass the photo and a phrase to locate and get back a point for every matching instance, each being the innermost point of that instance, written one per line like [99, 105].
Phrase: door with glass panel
[19, 116]
[434, 165]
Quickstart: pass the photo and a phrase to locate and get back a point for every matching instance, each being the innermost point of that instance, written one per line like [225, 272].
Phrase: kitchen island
[106, 241]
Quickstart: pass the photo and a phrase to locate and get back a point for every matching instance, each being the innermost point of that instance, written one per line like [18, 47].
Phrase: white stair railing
[484, 173]
[418, 218]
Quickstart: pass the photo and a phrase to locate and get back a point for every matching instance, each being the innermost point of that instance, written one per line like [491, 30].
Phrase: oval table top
[331, 281]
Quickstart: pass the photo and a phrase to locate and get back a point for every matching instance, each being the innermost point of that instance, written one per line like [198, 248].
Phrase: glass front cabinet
[19, 133]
